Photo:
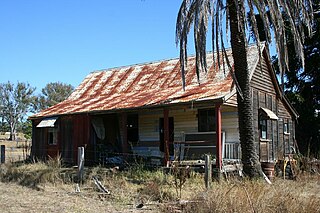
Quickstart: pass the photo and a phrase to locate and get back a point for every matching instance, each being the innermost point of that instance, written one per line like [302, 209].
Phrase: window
[52, 136]
[263, 128]
[286, 128]
[206, 120]
[265, 116]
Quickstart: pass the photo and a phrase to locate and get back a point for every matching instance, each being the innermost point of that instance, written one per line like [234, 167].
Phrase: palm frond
[274, 13]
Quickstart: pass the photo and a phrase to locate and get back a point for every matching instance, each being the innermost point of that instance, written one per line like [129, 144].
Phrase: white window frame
[54, 133]
[286, 128]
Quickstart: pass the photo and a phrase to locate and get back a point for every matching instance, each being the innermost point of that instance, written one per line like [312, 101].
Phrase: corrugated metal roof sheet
[47, 122]
[148, 84]
[269, 114]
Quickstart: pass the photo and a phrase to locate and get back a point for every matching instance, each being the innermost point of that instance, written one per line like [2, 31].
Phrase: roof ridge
[162, 60]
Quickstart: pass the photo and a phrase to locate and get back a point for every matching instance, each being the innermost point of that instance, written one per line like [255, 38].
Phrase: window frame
[263, 127]
[286, 127]
[52, 138]
[206, 120]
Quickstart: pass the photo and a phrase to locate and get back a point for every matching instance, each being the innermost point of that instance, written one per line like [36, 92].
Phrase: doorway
[171, 135]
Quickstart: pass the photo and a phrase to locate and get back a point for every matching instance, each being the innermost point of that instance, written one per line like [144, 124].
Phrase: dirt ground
[16, 198]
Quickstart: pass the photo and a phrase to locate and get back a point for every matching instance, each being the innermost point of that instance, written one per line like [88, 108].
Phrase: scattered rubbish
[139, 206]
[100, 186]
[115, 160]
[266, 178]
[77, 188]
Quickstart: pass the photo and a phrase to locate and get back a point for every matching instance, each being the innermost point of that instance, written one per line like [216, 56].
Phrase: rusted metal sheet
[47, 122]
[147, 85]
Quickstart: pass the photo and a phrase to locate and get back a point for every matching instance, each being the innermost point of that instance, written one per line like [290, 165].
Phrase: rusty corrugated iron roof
[148, 84]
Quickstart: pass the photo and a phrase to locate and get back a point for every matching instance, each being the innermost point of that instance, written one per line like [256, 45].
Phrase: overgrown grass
[257, 196]
[33, 174]
[134, 185]
[138, 184]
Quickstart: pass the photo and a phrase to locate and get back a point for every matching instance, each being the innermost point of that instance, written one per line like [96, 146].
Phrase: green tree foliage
[302, 87]
[15, 102]
[233, 15]
[26, 128]
[52, 94]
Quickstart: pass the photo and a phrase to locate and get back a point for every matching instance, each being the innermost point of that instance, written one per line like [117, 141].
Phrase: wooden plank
[3, 154]
[80, 163]
[261, 79]
[208, 171]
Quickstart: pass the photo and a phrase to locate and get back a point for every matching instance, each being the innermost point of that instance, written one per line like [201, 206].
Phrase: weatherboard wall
[263, 87]
[264, 95]
[185, 121]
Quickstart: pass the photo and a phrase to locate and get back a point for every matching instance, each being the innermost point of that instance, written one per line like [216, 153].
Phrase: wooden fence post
[3, 154]
[208, 171]
[80, 163]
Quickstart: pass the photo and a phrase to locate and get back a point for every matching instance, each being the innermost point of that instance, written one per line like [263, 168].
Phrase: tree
[52, 94]
[303, 90]
[16, 102]
[198, 13]
[26, 128]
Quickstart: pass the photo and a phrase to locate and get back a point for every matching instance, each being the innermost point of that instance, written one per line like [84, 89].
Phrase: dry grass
[16, 198]
[33, 175]
[55, 191]
[257, 196]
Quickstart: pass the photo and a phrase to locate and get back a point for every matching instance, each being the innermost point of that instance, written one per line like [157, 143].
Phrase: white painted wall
[185, 120]
[230, 126]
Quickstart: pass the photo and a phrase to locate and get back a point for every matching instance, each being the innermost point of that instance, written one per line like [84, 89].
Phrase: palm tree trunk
[250, 160]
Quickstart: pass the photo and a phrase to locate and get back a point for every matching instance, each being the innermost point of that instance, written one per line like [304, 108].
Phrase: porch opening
[171, 136]
[107, 137]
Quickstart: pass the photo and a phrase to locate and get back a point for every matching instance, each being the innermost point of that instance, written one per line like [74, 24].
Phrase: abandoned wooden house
[143, 110]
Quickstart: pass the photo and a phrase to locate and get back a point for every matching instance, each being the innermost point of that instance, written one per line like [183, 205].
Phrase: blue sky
[44, 41]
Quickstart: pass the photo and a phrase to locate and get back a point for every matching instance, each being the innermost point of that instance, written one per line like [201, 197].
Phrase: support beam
[166, 135]
[218, 137]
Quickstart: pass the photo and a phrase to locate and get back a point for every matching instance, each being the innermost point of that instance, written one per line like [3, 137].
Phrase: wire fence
[106, 158]
[149, 156]
[14, 151]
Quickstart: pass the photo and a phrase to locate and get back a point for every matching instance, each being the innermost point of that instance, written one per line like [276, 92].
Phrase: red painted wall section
[52, 151]
[81, 133]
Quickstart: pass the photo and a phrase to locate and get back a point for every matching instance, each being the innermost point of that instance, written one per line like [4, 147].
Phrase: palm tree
[233, 14]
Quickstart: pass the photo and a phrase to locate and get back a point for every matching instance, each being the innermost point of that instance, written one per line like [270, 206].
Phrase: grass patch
[257, 196]
[33, 174]
[137, 184]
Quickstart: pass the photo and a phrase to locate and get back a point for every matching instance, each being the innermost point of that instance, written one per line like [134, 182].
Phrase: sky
[43, 41]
